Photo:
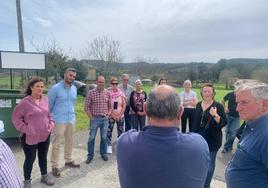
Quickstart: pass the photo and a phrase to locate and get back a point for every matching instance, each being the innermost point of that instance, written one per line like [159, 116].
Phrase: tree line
[104, 55]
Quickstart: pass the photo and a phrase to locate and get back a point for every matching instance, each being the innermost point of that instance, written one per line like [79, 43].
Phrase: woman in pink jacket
[118, 101]
[32, 119]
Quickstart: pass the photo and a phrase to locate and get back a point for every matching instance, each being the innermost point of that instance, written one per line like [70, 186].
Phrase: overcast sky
[164, 30]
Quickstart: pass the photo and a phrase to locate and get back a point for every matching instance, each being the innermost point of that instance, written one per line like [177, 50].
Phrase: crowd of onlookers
[154, 148]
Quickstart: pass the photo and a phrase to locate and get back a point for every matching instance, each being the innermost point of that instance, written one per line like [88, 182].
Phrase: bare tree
[260, 74]
[142, 67]
[106, 50]
[56, 59]
[228, 76]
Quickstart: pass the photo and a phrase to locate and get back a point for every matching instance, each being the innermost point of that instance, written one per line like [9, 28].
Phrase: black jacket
[205, 125]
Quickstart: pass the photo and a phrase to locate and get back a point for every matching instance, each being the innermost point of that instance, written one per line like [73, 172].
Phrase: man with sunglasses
[98, 109]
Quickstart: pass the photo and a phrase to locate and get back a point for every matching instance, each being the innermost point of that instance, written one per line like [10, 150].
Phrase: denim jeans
[211, 168]
[120, 129]
[102, 123]
[232, 126]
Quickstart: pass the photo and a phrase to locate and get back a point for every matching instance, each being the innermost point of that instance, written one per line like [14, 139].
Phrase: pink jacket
[33, 120]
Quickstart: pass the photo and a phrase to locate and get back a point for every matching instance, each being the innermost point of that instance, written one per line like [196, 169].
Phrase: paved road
[98, 174]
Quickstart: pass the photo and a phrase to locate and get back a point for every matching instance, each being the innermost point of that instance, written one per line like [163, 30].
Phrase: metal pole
[20, 31]
[20, 35]
[11, 78]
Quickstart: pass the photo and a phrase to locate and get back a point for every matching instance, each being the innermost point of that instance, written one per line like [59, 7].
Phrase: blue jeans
[211, 168]
[102, 123]
[120, 129]
[232, 126]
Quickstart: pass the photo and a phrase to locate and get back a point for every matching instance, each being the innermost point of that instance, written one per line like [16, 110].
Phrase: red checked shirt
[98, 103]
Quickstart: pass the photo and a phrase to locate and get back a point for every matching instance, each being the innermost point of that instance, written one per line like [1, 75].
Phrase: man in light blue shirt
[62, 97]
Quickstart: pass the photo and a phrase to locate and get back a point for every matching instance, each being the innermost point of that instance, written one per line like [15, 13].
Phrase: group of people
[163, 156]
[38, 117]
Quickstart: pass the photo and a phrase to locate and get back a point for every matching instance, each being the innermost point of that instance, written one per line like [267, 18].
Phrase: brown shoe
[47, 180]
[72, 164]
[56, 172]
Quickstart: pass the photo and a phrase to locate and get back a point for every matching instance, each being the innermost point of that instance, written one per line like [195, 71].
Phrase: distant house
[91, 74]
[146, 81]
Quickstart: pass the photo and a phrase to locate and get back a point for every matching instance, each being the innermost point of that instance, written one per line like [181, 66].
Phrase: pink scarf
[116, 94]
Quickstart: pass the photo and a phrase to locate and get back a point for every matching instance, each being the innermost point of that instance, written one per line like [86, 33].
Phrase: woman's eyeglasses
[114, 83]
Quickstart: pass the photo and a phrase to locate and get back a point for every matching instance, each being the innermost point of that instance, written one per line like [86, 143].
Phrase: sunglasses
[114, 83]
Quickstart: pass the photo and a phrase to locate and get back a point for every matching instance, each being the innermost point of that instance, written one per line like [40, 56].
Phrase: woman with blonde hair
[137, 99]
[189, 100]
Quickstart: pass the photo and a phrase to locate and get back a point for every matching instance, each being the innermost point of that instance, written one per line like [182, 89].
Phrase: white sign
[5, 103]
[18, 101]
[16, 60]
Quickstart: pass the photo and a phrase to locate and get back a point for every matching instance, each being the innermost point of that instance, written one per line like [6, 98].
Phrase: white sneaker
[109, 149]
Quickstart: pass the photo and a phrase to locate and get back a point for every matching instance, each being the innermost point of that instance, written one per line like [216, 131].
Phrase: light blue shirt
[61, 103]
[186, 97]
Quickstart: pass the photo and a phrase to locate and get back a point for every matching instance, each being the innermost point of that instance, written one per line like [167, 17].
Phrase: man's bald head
[163, 103]
[100, 83]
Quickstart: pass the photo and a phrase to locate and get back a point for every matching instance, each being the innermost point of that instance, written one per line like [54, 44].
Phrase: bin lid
[11, 95]
[10, 91]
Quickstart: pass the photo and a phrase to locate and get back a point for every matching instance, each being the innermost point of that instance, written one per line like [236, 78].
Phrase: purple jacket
[33, 120]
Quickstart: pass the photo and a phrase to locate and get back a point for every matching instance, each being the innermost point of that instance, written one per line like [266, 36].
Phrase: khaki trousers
[60, 131]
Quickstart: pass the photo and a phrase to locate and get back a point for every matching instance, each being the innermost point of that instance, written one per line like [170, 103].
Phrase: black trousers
[188, 113]
[127, 119]
[30, 154]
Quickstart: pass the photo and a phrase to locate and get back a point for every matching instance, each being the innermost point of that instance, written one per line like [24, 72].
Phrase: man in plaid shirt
[98, 109]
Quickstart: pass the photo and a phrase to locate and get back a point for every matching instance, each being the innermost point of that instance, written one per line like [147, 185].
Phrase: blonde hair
[138, 81]
[114, 79]
[187, 82]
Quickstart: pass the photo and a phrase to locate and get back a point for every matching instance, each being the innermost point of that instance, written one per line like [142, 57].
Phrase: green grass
[5, 81]
[82, 119]
[220, 92]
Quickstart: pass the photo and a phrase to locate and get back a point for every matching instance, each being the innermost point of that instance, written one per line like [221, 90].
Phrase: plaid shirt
[98, 103]
[9, 176]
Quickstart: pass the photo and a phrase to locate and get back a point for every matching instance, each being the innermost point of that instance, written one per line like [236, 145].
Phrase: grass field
[82, 119]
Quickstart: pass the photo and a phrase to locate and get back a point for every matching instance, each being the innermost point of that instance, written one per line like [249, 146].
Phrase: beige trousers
[60, 131]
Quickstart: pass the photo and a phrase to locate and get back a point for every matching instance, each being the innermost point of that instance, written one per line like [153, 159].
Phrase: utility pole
[20, 35]
[20, 31]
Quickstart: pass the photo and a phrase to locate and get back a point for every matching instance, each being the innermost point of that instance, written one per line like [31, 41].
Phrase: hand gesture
[213, 111]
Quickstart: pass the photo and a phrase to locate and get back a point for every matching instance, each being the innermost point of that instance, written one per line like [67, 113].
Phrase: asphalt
[97, 174]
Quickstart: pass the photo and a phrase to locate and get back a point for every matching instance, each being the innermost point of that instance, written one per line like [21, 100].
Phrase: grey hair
[163, 106]
[187, 82]
[257, 88]
[124, 75]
